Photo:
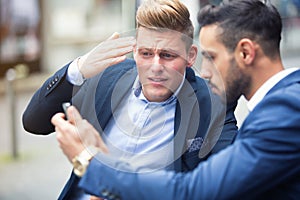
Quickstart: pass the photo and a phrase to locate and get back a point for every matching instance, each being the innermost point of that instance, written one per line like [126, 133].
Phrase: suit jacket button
[113, 196]
[105, 193]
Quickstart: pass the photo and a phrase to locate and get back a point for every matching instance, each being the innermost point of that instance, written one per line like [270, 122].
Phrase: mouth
[214, 88]
[212, 85]
[156, 80]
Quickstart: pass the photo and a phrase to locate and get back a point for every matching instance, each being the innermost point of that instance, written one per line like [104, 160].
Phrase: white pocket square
[194, 144]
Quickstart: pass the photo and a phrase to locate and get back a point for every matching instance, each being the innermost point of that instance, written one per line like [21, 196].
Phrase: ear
[245, 52]
[192, 55]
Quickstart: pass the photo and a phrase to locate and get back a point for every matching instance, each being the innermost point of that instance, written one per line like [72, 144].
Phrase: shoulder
[285, 98]
[279, 109]
[197, 83]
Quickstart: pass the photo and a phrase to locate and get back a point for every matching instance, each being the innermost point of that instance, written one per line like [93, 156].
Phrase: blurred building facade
[46, 34]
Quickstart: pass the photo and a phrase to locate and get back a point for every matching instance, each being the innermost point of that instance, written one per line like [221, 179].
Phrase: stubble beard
[237, 82]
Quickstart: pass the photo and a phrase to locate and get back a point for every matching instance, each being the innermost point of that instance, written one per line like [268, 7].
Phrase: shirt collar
[267, 86]
[137, 90]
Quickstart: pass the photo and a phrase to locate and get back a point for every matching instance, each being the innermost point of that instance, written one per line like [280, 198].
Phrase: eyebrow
[162, 50]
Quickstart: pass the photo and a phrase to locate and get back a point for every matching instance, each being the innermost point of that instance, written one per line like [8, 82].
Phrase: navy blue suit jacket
[262, 163]
[199, 114]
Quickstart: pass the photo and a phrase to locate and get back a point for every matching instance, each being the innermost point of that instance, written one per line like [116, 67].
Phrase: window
[20, 34]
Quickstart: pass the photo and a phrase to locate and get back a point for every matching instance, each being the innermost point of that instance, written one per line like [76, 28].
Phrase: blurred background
[39, 36]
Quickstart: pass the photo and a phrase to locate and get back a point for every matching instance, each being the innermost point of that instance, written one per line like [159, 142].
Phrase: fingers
[95, 198]
[115, 35]
[75, 134]
[58, 119]
[117, 52]
[99, 142]
[108, 53]
[101, 145]
[66, 135]
[114, 48]
[74, 115]
[118, 42]
[88, 134]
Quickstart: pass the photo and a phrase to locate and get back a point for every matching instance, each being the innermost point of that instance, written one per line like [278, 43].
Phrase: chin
[158, 97]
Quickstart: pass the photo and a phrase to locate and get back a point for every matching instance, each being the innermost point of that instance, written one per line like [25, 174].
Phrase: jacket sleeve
[229, 129]
[47, 101]
[265, 155]
[222, 128]
[248, 164]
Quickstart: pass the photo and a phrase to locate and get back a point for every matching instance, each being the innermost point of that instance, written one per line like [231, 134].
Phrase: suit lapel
[109, 98]
[96, 105]
[185, 113]
[122, 87]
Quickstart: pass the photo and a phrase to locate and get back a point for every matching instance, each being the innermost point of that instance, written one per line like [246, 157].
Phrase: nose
[205, 73]
[157, 65]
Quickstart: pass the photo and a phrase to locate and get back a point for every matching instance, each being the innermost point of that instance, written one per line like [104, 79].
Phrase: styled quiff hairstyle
[165, 14]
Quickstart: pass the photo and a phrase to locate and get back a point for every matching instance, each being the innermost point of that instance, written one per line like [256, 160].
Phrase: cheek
[223, 66]
[137, 59]
[141, 64]
[141, 71]
[177, 67]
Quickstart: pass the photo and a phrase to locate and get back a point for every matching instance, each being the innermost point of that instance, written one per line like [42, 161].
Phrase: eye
[208, 56]
[211, 58]
[168, 56]
[145, 53]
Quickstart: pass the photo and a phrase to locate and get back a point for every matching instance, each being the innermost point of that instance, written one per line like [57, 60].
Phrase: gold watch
[81, 161]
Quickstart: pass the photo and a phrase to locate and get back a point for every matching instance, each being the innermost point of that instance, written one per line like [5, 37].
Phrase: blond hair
[165, 14]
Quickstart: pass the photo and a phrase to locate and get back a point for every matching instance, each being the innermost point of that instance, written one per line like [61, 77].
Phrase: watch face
[79, 166]
[81, 161]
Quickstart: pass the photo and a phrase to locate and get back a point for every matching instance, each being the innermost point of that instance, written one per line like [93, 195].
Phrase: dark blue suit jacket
[262, 163]
[199, 114]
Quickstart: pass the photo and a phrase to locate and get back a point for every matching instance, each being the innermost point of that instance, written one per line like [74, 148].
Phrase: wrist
[82, 160]
[82, 77]
[74, 75]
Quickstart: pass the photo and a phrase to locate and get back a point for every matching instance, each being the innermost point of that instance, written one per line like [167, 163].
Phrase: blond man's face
[161, 59]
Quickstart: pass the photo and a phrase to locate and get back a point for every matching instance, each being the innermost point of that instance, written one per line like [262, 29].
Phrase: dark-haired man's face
[220, 67]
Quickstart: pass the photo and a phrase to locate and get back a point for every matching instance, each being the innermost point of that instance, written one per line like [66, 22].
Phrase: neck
[262, 71]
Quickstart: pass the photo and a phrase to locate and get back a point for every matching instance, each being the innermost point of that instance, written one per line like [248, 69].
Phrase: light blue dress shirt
[142, 132]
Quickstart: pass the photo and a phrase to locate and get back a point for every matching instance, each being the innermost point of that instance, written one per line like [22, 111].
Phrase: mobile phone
[65, 106]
